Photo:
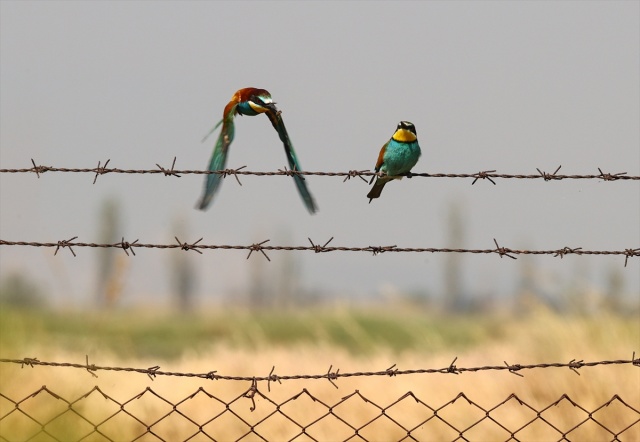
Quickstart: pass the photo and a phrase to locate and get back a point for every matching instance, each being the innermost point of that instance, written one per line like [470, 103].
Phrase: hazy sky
[511, 86]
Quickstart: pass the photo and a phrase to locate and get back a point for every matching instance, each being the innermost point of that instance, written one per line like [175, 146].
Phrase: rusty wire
[407, 418]
[331, 374]
[127, 246]
[490, 175]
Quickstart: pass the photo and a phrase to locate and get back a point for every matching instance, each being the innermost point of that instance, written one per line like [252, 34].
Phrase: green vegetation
[165, 335]
[240, 343]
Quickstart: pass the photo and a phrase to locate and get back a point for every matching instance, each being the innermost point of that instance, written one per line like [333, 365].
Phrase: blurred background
[506, 86]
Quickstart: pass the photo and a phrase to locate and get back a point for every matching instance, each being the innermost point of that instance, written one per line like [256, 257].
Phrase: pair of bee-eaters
[396, 157]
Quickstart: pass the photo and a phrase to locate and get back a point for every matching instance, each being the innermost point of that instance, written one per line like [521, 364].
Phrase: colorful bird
[250, 101]
[396, 157]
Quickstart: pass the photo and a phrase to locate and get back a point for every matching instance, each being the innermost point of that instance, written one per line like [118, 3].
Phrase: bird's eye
[263, 101]
[408, 126]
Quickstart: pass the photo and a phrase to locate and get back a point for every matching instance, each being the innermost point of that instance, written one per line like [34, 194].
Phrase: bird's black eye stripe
[407, 126]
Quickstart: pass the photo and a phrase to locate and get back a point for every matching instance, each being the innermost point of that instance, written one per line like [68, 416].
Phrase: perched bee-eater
[396, 157]
[250, 101]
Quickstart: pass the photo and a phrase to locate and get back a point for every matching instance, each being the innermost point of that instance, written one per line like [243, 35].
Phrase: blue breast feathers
[244, 108]
[399, 158]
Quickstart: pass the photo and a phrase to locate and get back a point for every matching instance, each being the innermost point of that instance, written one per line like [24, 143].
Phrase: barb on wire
[316, 248]
[549, 176]
[503, 251]
[90, 368]
[610, 176]
[187, 247]
[566, 251]
[289, 172]
[484, 175]
[101, 170]
[272, 377]
[65, 243]
[575, 365]
[127, 245]
[629, 253]
[452, 367]
[392, 371]
[513, 369]
[31, 361]
[356, 173]
[490, 175]
[169, 172]
[234, 172]
[331, 375]
[259, 248]
[37, 169]
[381, 249]
[151, 371]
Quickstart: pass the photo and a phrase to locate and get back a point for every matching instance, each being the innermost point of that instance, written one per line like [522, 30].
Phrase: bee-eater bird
[250, 101]
[396, 157]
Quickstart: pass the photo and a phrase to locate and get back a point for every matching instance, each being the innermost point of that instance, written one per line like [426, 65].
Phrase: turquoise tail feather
[376, 190]
[301, 185]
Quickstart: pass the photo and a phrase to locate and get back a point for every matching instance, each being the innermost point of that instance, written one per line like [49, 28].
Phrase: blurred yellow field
[179, 408]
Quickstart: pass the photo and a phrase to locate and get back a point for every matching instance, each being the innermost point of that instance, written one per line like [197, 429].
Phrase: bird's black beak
[271, 106]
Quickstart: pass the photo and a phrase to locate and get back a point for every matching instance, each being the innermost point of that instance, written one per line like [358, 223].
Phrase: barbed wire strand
[127, 246]
[485, 174]
[331, 374]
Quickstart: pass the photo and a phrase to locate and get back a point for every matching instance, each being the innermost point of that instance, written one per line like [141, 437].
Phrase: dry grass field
[242, 344]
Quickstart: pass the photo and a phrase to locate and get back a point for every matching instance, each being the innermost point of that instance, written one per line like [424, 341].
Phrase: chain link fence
[314, 412]
[254, 415]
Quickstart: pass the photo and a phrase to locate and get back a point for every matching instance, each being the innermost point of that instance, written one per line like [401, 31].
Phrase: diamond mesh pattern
[253, 415]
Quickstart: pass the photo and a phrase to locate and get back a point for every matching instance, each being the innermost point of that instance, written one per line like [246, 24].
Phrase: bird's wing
[380, 160]
[218, 158]
[381, 156]
[278, 125]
